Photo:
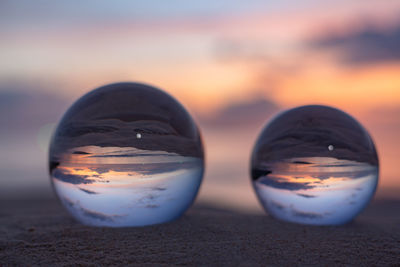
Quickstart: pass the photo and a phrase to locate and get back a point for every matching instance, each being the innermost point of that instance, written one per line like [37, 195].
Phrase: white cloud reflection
[123, 190]
[317, 190]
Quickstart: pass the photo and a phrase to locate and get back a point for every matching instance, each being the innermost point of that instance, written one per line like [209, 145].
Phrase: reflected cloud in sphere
[126, 154]
[314, 165]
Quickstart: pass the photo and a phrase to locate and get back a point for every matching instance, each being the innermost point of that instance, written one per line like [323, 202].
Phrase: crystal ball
[314, 165]
[126, 154]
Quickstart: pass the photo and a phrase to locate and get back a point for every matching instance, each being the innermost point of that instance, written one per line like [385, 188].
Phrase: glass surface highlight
[126, 154]
[314, 165]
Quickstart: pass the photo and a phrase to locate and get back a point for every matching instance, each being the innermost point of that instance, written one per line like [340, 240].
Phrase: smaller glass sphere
[126, 154]
[314, 165]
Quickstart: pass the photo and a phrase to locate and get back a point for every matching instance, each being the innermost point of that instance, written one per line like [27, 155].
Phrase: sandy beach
[40, 232]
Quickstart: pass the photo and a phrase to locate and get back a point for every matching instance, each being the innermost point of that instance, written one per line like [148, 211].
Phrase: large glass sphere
[314, 165]
[126, 154]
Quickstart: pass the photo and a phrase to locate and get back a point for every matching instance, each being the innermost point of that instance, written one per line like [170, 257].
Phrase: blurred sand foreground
[40, 232]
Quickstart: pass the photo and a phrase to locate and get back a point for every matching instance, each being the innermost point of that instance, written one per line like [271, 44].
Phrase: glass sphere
[314, 165]
[126, 154]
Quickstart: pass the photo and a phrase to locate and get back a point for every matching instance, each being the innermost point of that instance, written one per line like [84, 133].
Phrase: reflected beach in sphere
[126, 154]
[314, 165]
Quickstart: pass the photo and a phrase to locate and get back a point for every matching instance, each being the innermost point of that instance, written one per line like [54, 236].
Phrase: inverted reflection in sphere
[126, 154]
[314, 165]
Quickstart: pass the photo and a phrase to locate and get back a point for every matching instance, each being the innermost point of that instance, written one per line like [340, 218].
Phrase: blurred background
[232, 64]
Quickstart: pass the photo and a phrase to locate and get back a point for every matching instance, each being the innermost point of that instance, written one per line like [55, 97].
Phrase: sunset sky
[209, 55]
